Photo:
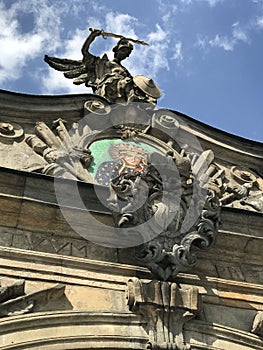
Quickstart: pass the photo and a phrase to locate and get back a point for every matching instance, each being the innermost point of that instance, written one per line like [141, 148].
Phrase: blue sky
[206, 55]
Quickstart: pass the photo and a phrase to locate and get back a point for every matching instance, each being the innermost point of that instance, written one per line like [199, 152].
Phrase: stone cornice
[33, 217]
[30, 108]
[18, 263]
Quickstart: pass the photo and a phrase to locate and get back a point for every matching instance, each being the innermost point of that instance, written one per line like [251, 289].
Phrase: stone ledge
[50, 330]
[203, 335]
[24, 264]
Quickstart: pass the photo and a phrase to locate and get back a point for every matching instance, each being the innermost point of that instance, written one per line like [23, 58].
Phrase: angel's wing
[71, 68]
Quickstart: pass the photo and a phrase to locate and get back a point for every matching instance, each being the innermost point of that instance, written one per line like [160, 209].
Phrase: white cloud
[20, 46]
[166, 7]
[169, 13]
[223, 42]
[74, 44]
[178, 55]
[239, 34]
[150, 60]
[94, 23]
[17, 48]
[229, 43]
[121, 23]
[158, 35]
[201, 42]
[186, 2]
[210, 2]
[259, 22]
[213, 2]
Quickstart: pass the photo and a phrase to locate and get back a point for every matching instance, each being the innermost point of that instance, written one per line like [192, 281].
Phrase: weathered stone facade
[62, 291]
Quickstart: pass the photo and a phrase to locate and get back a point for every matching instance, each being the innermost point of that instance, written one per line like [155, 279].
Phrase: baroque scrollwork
[170, 197]
[173, 250]
[130, 189]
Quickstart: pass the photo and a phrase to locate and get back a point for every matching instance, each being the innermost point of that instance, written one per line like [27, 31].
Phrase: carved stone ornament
[243, 189]
[168, 201]
[108, 78]
[172, 250]
[14, 301]
[11, 131]
[257, 327]
[166, 307]
[61, 153]
[112, 81]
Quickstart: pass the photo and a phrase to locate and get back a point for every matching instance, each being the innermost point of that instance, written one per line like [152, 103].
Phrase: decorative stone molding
[65, 160]
[166, 307]
[14, 301]
[13, 291]
[175, 247]
[257, 327]
[56, 330]
[205, 335]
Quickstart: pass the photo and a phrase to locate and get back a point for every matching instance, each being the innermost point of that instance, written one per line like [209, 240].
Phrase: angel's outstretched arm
[94, 33]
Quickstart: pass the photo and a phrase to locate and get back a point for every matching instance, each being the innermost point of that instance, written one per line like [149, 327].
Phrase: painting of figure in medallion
[113, 157]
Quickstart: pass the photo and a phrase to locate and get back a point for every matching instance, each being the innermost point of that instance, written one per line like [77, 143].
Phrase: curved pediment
[131, 226]
[162, 171]
[20, 112]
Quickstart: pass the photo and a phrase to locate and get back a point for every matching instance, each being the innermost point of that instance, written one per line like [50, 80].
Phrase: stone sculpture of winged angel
[108, 78]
